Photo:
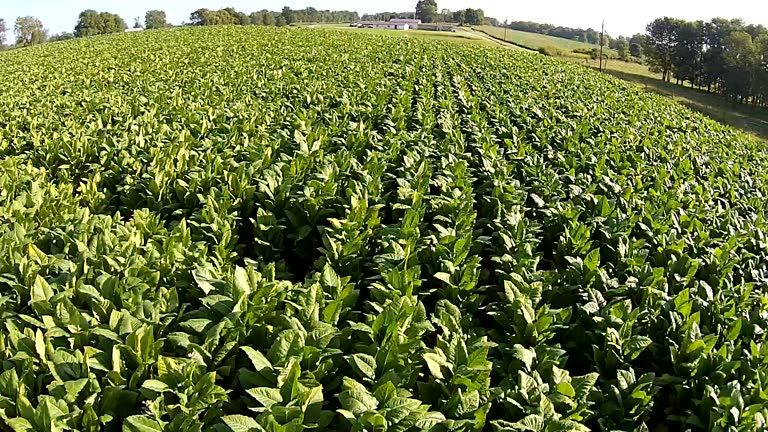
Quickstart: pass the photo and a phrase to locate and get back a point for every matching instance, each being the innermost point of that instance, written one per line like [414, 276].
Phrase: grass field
[534, 41]
[261, 229]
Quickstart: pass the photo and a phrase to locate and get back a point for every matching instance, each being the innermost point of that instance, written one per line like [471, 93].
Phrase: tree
[3, 32]
[458, 17]
[199, 16]
[29, 31]
[112, 23]
[268, 18]
[426, 10]
[592, 36]
[622, 46]
[445, 15]
[606, 40]
[715, 33]
[660, 45]
[689, 48]
[288, 15]
[636, 45]
[137, 23]
[155, 19]
[87, 23]
[741, 61]
[474, 16]
[761, 76]
[91, 23]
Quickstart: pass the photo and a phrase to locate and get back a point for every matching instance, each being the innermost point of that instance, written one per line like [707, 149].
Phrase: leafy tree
[636, 43]
[761, 74]
[474, 16]
[155, 19]
[3, 33]
[112, 23]
[268, 18]
[458, 17]
[622, 46]
[280, 20]
[288, 15]
[715, 33]
[199, 16]
[689, 40]
[661, 44]
[592, 36]
[741, 61]
[87, 23]
[29, 31]
[607, 41]
[426, 10]
[91, 23]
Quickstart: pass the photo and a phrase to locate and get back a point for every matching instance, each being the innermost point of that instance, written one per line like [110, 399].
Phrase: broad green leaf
[241, 423]
[582, 385]
[41, 291]
[356, 398]
[363, 364]
[734, 330]
[258, 360]
[566, 389]
[155, 385]
[266, 396]
[635, 345]
[20, 425]
[141, 423]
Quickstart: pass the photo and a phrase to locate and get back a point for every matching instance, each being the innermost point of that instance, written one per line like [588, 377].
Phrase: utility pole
[505, 30]
[602, 41]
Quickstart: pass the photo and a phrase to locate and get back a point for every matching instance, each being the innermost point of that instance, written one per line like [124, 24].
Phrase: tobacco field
[251, 229]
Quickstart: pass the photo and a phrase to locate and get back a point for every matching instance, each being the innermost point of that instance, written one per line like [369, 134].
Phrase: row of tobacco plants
[291, 229]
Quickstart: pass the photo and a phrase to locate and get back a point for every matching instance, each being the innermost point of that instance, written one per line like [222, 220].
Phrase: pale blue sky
[622, 17]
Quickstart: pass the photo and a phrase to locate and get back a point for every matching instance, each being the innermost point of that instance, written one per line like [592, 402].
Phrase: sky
[621, 18]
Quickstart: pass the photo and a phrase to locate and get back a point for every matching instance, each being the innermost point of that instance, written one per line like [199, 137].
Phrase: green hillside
[534, 41]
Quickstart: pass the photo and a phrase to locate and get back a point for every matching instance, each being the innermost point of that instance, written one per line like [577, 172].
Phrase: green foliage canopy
[92, 23]
[155, 19]
[197, 238]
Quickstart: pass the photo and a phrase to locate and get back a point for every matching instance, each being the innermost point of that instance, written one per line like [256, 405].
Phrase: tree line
[627, 47]
[589, 35]
[467, 16]
[288, 16]
[29, 30]
[724, 56]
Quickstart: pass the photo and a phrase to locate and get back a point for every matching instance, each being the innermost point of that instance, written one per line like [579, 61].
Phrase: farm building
[393, 24]
[384, 25]
[413, 24]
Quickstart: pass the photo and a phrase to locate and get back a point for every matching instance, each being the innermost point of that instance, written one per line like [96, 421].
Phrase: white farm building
[393, 24]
